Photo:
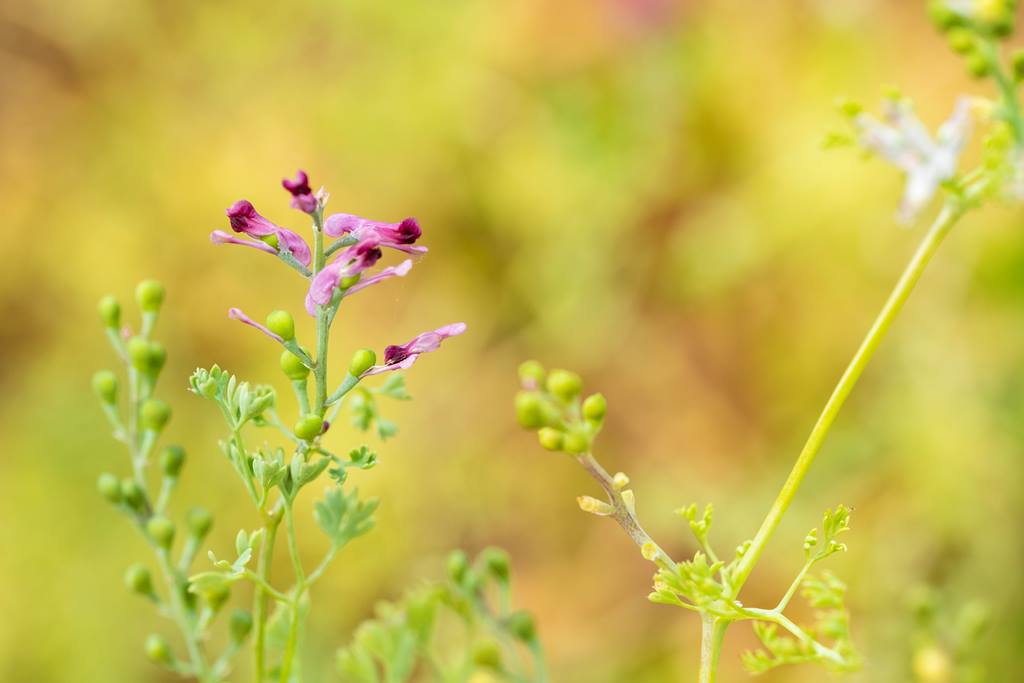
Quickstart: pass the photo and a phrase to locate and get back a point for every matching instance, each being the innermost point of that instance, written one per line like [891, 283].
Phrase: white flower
[904, 141]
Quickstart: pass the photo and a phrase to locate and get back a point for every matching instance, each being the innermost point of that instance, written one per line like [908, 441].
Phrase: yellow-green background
[634, 189]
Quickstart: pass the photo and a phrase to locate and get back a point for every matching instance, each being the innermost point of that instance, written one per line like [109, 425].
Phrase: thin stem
[1008, 90]
[793, 587]
[182, 617]
[271, 523]
[297, 594]
[712, 635]
[939, 229]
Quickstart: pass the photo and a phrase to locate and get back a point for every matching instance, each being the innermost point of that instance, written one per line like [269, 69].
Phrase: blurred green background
[632, 188]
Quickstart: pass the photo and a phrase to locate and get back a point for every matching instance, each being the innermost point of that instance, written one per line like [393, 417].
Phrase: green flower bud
[487, 654]
[530, 410]
[172, 458]
[1017, 64]
[362, 360]
[531, 373]
[109, 487]
[576, 443]
[156, 358]
[522, 626]
[154, 414]
[978, 65]
[199, 521]
[149, 295]
[551, 438]
[158, 650]
[138, 352]
[133, 494]
[104, 383]
[161, 530]
[458, 565]
[217, 595]
[564, 384]
[942, 16]
[309, 427]
[239, 625]
[595, 407]
[961, 40]
[292, 366]
[282, 324]
[110, 312]
[137, 578]
[496, 561]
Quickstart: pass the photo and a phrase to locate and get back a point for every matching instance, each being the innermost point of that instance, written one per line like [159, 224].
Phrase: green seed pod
[149, 295]
[156, 358]
[576, 443]
[522, 626]
[308, 427]
[978, 65]
[282, 324]
[362, 360]
[1017, 64]
[530, 410]
[496, 561]
[138, 353]
[110, 312]
[104, 383]
[172, 458]
[161, 530]
[133, 494]
[137, 578]
[239, 625]
[487, 655]
[595, 407]
[157, 649]
[292, 366]
[564, 384]
[551, 438]
[199, 521]
[217, 595]
[531, 374]
[942, 16]
[109, 487]
[154, 414]
[961, 41]
[458, 565]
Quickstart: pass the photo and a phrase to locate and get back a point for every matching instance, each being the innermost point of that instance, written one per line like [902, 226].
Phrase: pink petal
[237, 314]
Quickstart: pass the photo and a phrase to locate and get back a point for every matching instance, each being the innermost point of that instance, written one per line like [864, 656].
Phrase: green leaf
[344, 517]
[394, 387]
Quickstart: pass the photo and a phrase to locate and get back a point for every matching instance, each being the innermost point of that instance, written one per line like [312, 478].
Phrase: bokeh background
[632, 188]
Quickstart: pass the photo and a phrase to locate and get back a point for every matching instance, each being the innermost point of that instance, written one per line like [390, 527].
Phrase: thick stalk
[712, 634]
[939, 229]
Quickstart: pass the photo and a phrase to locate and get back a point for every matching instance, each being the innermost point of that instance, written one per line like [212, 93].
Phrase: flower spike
[402, 357]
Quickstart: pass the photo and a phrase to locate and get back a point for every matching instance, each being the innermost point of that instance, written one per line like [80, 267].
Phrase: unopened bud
[487, 654]
[978, 65]
[496, 561]
[240, 624]
[292, 366]
[282, 324]
[550, 438]
[154, 414]
[522, 626]
[595, 506]
[961, 40]
[110, 312]
[109, 487]
[458, 565]
[158, 650]
[620, 481]
[161, 530]
[104, 383]
[137, 578]
[595, 407]
[564, 384]
[217, 595]
[172, 459]
[133, 494]
[531, 374]
[576, 443]
[309, 427]
[530, 410]
[149, 295]
[362, 360]
[199, 521]
[1017, 64]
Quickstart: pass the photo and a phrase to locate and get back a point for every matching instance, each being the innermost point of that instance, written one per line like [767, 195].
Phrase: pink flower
[237, 314]
[349, 263]
[245, 219]
[402, 357]
[395, 235]
[302, 193]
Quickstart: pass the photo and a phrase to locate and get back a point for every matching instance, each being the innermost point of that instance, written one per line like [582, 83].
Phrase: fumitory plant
[272, 476]
[710, 583]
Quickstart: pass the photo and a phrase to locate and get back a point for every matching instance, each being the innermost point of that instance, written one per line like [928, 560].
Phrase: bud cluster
[551, 403]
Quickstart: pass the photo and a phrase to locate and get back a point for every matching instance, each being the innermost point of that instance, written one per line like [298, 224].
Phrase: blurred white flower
[905, 142]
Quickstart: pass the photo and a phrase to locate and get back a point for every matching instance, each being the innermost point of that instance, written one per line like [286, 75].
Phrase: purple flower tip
[302, 193]
[240, 213]
[408, 231]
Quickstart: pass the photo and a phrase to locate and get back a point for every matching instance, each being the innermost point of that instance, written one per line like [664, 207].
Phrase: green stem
[948, 217]
[260, 599]
[712, 635]
[297, 594]
[186, 622]
[1008, 90]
